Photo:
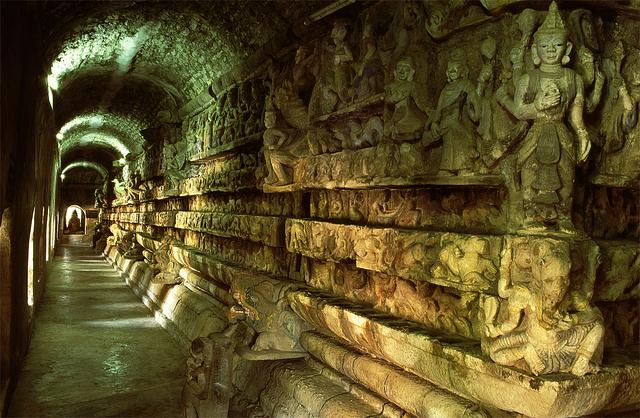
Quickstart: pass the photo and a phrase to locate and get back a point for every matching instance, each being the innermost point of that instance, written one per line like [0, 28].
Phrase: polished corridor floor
[96, 349]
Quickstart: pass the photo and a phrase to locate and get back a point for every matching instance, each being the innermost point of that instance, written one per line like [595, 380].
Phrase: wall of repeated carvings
[448, 197]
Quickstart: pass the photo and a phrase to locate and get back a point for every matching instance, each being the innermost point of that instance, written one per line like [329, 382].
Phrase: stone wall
[28, 163]
[436, 206]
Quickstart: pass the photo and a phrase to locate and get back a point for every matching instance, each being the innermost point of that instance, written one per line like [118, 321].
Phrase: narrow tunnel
[320, 208]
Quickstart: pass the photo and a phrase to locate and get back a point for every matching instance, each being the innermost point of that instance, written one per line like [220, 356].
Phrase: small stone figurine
[458, 109]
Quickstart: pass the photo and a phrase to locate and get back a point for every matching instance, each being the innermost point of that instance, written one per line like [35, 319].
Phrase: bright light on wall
[52, 81]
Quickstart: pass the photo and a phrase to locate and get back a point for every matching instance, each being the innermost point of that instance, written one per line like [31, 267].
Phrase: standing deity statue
[407, 120]
[369, 72]
[458, 109]
[549, 153]
[342, 60]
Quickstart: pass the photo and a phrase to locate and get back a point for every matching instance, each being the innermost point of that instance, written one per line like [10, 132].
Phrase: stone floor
[96, 349]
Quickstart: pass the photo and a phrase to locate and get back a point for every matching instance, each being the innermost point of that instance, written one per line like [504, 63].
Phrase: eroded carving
[542, 325]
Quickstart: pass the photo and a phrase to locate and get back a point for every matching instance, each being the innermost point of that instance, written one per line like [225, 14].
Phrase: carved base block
[416, 396]
[184, 313]
[297, 390]
[458, 365]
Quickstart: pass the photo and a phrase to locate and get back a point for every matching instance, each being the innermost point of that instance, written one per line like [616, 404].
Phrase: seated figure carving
[541, 326]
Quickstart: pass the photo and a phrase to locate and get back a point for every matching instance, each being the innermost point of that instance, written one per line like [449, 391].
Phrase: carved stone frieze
[437, 307]
[477, 210]
[165, 218]
[268, 230]
[463, 262]
[226, 175]
[251, 255]
[249, 203]
[543, 320]
[382, 165]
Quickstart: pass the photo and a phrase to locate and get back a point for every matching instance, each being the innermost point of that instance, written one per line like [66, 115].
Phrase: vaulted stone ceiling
[114, 65]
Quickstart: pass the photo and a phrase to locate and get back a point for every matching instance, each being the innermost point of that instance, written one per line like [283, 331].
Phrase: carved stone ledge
[361, 184]
[165, 219]
[464, 262]
[414, 395]
[223, 182]
[207, 265]
[355, 108]
[385, 165]
[297, 390]
[148, 241]
[213, 152]
[616, 181]
[251, 255]
[268, 230]
[457, 365]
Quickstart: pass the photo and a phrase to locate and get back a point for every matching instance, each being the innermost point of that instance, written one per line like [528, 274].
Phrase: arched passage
[75, 220]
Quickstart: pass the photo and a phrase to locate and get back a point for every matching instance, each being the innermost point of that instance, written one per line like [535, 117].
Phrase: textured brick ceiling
[121, 62]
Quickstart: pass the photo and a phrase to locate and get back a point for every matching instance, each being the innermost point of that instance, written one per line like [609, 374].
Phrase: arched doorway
[75, 220]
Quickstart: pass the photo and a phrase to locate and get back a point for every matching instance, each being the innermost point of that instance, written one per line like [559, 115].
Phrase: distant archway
[75, 220]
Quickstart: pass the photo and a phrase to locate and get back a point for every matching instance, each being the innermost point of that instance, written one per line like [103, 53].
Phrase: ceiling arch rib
[132, 96]
[95, 139]
[115, 131]
[86, 164]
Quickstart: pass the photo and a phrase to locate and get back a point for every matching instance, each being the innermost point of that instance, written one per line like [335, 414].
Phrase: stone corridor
[332, 208]
[96, 349]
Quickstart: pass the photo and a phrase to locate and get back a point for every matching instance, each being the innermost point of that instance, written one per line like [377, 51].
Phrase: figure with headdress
[549, 153]
[283, 145]
[453, 120]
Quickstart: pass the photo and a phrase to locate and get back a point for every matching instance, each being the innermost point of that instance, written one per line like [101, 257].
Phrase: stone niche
[418, 209]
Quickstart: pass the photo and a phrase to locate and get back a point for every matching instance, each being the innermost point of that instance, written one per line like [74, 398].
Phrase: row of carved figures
[236, 114]
[532, 129]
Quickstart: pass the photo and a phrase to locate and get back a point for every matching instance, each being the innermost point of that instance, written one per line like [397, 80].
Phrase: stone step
[459, 366]
[296, 389]
[385, 381]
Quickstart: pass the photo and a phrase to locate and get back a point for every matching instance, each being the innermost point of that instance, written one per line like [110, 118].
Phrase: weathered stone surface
[362, 169]
[416, 396]
[165, 219]
[294, 385]
[240, 253]
[477, 210]
[453, 168]
[264, 229]
[461, 261]
[249, 203]
[619, 272]
[441, 308]
[457, 365]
